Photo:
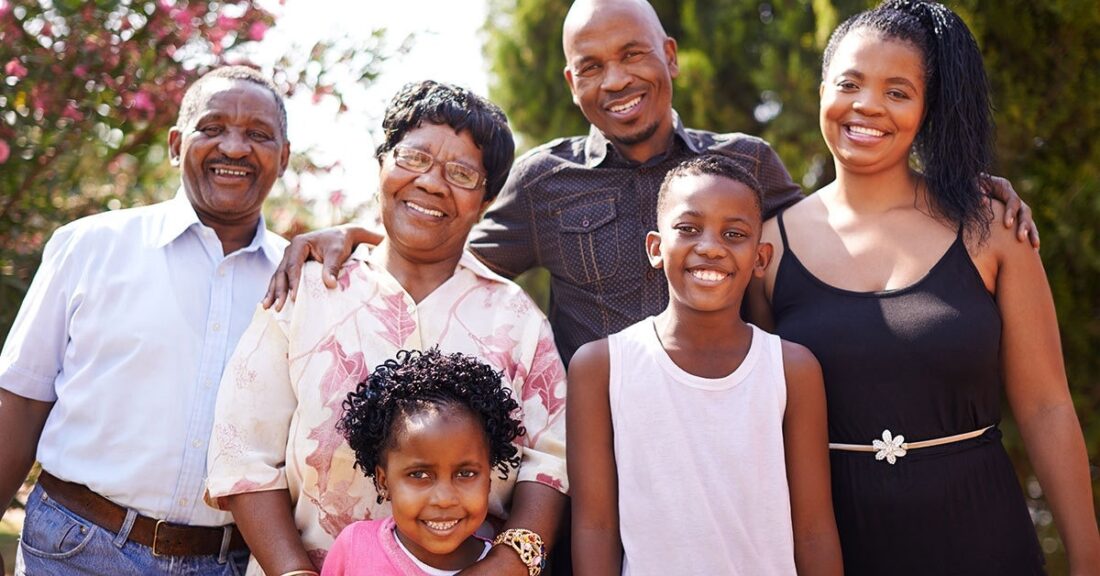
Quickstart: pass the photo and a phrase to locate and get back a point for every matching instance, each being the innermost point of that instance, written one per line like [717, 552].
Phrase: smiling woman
[924, 315]
[291, 485]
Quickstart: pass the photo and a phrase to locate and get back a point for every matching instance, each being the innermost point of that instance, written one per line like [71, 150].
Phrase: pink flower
[256, 31]
[80, 71]
[182, 17]
[336, 198]
[226, 23]
[5, 151]
[143, 101]
[72, 111]
[15, 68]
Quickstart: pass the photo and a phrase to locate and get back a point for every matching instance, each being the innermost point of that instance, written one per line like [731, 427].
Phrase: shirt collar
[367, 253]
[180, 215]
[596, 145]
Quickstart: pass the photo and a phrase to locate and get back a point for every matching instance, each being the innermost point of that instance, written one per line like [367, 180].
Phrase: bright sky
[446, 47]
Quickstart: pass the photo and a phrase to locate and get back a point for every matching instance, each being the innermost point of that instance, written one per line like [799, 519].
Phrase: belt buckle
[156, 534]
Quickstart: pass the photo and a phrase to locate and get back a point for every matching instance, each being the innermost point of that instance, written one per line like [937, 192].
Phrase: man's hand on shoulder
[1016, 211]
[330, 246]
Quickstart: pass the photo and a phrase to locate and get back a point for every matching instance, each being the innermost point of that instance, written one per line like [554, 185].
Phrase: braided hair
[416, 381]
[954, 146]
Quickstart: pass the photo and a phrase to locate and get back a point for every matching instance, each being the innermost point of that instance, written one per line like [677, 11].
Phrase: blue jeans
[57, 541]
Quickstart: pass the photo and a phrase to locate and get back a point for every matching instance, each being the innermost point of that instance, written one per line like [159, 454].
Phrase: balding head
[583, 11]
[619, 66]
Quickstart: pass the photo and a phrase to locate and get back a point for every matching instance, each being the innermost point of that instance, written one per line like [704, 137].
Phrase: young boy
[698, 441]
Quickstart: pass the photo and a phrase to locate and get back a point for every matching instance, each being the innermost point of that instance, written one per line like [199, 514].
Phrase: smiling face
[437, 475]
[427, 218]
[872, 102]
[620, 66]
[708, 242]
[231, 151]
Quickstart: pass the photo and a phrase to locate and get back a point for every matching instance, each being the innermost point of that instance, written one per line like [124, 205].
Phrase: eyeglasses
[420, 162]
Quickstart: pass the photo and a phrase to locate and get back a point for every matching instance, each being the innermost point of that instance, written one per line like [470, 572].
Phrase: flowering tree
[87, 95]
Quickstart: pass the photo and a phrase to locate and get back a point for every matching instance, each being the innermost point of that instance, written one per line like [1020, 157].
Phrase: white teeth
[228, 172]
[866, 131]
[627, 105]
[423, 210]
[441, 525]
[708, 275]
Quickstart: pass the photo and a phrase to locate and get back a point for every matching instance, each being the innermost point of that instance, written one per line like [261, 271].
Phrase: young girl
[697, 441]
[922, 314]
[429, 429]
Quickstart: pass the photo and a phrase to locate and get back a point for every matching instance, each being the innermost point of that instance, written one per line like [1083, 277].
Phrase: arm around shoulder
[806, 443]
[597, 547]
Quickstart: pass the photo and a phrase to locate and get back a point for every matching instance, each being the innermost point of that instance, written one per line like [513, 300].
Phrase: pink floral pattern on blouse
[282, 393]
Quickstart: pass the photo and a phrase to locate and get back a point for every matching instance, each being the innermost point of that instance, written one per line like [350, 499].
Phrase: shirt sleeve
[777, 187]
[35, 347]
[256, 402]
[504, 239]
[542, 394]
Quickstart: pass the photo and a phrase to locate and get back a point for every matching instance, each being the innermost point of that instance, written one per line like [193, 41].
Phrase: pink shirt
[370, 548]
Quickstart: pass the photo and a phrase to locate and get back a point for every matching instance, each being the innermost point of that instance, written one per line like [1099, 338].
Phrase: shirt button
[196, 443]
[585, 223]
[216, 327]
[208, 383]
[183, 501]
[221, 272]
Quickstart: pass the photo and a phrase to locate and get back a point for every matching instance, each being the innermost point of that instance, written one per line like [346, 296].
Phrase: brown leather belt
[165, 539]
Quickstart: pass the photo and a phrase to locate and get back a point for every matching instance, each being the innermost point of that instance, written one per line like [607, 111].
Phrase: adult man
[581, 206]
[111, 368]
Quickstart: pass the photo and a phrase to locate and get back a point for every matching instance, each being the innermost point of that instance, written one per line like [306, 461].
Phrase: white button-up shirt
[127, 327]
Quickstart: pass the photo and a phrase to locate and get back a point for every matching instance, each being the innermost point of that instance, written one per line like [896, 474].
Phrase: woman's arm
[1035, 382]
[535, 507]
[597, 548]
[266, 520]
[806, 446]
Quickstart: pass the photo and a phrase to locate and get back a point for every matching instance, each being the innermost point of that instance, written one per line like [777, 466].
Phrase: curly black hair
[712, 165]
[954, 146]
[457, 107]
[418, 380]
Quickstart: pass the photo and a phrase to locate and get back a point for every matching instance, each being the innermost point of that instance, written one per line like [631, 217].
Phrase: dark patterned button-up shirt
[581, 210]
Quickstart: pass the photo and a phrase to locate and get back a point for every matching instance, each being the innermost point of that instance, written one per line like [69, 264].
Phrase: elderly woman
[276, 459]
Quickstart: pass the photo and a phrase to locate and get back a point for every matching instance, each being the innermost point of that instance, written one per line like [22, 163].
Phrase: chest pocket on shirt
[589, 237]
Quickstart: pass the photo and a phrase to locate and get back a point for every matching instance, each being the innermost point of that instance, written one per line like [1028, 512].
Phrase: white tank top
[702, 477]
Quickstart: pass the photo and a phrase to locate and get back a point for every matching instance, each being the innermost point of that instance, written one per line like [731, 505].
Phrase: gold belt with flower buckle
[891, 447]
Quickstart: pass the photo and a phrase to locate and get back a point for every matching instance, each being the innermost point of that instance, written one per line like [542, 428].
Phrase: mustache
[229, 162]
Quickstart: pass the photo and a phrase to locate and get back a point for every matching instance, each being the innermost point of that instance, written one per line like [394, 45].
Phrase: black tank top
[923, 361]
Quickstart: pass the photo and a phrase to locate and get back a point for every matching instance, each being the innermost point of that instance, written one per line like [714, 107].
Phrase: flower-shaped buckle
[890, 448]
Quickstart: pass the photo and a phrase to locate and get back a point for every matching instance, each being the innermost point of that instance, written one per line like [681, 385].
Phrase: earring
[383, 494]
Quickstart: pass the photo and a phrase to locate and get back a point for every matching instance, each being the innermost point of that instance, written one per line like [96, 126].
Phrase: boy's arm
[806, 443]
[597, 548]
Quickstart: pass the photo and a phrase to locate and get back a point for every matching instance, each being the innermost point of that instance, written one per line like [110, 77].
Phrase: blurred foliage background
[88, 91]
[750, 66]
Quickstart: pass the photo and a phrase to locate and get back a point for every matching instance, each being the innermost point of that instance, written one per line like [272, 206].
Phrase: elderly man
[112, 366]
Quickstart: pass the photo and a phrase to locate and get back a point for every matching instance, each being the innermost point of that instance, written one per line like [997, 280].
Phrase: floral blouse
[283, 390]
